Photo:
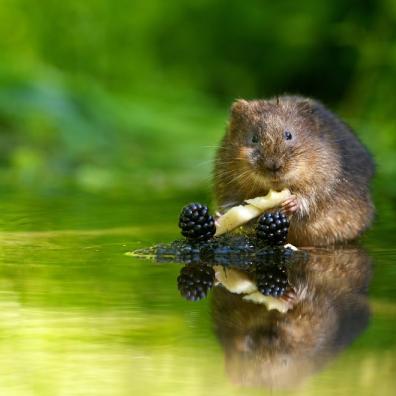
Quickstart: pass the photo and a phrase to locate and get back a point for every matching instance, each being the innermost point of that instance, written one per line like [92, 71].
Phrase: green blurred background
[108, 96]
[110, 113]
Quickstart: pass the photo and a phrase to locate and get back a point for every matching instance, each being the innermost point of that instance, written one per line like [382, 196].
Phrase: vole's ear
[239, 113]
[239, 108]
[307, 106]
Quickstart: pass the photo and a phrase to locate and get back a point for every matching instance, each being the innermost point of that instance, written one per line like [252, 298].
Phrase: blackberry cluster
[271, 280]
[195, 281]
[196, 223]
[272, 228]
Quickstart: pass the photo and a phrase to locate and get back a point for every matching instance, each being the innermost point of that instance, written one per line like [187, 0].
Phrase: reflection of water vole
[296, 143]
[267, 348]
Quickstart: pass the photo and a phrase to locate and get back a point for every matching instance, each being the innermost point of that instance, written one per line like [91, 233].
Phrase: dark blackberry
[196, 223]
[195, 281]
[272, 228]
[271, 280]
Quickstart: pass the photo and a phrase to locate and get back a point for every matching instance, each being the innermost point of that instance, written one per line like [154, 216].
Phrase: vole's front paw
[291, 205]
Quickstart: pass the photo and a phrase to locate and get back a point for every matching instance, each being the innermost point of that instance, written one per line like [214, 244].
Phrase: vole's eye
[255, 138]
[288, 135]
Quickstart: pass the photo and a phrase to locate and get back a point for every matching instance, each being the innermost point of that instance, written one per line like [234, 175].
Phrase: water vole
[297, 143]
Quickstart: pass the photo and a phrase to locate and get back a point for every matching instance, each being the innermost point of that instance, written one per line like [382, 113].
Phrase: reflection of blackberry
[272, 228]
[196, 223]
[195, 281]
[229, 250]
[271, 280]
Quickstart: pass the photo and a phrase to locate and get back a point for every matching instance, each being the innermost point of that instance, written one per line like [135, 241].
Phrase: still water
[80, 317]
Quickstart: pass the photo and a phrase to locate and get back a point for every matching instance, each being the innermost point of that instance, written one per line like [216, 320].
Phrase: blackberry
[271, 280]
[196, 223]
[272, 228]
[195, 281]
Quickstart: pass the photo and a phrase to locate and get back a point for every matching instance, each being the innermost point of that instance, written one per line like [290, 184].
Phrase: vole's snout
[272, 165]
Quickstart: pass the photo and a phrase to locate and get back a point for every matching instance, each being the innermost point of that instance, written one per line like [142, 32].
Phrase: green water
[79, 317]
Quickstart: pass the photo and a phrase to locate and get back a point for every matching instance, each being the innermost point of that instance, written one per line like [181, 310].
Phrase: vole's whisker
[225, 162]
[238, 177]
[202, 163]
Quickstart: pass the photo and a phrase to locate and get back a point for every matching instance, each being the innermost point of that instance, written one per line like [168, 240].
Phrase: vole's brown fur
[323, 164]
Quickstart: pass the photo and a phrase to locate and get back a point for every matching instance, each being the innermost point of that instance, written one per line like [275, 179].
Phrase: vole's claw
[290, 206]
[216, 218]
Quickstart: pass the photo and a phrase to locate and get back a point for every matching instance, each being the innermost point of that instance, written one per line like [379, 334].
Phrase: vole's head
[278, 142]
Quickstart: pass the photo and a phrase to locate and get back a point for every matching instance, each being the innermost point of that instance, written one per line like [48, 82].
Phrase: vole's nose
[273, 165]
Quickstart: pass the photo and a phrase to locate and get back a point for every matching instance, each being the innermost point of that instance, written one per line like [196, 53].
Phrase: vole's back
[356, 161]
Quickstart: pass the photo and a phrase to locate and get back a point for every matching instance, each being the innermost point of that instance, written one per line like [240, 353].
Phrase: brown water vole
[297, 143]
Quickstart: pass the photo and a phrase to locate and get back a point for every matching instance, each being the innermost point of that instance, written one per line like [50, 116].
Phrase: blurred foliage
[121, 98]
[102, 95]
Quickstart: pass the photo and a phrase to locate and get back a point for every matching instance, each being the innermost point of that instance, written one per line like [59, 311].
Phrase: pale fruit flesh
[242, 214]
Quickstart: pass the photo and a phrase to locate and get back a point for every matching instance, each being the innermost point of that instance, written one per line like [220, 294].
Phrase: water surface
[79, 317]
